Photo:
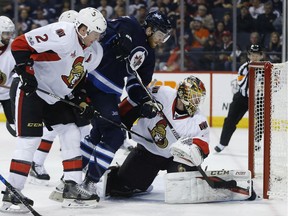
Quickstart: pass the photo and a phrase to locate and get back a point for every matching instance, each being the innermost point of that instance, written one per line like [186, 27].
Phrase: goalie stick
[19, 196]
[212, 184]
[95, 113]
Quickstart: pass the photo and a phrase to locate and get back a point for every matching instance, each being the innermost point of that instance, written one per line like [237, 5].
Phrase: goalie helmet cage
[268, 127]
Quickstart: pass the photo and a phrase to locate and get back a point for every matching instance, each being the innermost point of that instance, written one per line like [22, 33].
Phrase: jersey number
[41, 38]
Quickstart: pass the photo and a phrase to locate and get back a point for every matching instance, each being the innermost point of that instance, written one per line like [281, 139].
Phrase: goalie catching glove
[185, 152]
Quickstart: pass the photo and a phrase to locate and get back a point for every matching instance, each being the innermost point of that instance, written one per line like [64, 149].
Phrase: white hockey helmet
[68, 16]
[93, 19]
[7, 26]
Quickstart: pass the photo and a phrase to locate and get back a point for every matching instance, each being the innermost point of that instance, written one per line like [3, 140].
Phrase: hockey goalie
[180, 156]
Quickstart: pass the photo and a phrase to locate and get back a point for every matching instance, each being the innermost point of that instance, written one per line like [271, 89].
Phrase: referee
[239, 105]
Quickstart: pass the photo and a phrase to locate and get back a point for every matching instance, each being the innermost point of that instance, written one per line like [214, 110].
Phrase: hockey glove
[122, 45]
[29, 82]
[87, 111]
[149, 109]
[187, 153]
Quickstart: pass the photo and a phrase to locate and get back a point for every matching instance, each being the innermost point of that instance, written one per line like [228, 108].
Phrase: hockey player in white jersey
[50, 58]
[180, 158]
[145, 161]
[7, 63]
[93, 55]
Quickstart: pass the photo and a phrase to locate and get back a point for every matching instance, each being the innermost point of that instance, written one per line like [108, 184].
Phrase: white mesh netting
[277, 180]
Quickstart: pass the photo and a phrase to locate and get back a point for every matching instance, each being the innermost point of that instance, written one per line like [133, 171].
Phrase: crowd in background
[208, 27]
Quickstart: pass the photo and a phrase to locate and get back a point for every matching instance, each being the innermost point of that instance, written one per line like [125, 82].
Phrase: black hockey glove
[122, 45]
[149, 109]
[29, 82]
[87, 111]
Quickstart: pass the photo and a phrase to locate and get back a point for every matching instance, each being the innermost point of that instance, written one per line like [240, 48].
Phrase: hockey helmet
[255, 48]
[191, 92]
[68, 16]
[7, 28]
[158, 21]
[93, 19]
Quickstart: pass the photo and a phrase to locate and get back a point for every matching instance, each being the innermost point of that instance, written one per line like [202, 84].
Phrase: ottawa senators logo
[76, 73]
[158, 133]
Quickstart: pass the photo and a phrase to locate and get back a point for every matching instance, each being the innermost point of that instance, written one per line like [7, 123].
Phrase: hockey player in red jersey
[50, 58]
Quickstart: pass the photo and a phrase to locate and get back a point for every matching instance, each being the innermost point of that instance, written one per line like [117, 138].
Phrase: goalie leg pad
[190, 187]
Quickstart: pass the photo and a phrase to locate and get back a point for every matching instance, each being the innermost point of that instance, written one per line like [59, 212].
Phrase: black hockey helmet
[158, 21]
[255, 48]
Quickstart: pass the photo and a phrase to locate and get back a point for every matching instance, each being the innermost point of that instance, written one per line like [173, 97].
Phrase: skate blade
[56, 196]
[74, 203]
[40, 182]
[8, 207]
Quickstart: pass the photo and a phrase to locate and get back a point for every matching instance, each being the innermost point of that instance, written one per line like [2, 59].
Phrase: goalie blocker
[190, 187]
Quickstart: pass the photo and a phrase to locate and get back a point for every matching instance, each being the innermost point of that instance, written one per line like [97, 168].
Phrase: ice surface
[233, 157]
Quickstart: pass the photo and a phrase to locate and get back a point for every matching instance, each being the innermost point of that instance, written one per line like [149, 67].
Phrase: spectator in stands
[243, 3]
[49, 10]
[218, 33]
[83, 4]
[120, 4]
[256, 8]
[134, 5]
[278, 5]
[226, 52]
[39, 17]
[274, 48]
[254, 39]
[264, 22]
[24, 22]
[209, 59]
[245, 22]
[8, 10]
[119, 11]
[141, 14]
[207, 19]
[223, 3]
[228, 23]
[104, 5]
[199, 33]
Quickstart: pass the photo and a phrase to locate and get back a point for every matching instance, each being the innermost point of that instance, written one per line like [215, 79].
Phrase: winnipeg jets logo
[158, 16]
[137, 57]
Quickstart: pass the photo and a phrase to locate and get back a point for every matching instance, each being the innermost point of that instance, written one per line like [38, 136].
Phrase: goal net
[268, 127]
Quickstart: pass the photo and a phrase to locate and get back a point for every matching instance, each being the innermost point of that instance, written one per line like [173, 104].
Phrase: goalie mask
[192, 93]
[7, 29]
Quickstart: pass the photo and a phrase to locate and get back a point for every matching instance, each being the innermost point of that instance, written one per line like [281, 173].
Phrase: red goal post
[268, 127]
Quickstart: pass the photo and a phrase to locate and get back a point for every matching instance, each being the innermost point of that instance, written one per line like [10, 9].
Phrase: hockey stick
[212, 184]
[95, 113]
[19, 196]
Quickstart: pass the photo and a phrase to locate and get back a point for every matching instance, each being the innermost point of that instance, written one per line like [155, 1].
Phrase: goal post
[268, 127]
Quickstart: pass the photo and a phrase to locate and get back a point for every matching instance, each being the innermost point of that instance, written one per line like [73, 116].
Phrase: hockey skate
[13, 205]
[39, 174]
[76, 196]
[89, 185]
[57, 194]
[218, 148]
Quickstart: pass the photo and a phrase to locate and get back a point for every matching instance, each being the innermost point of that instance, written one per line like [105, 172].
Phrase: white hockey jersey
[93, 56]
[7, 63]
[158, 130]
[59, 63]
